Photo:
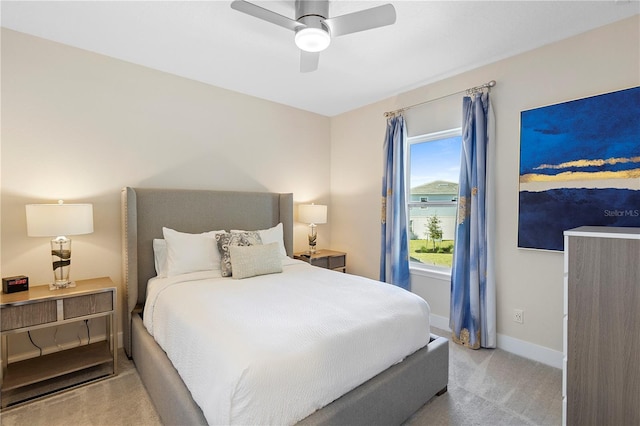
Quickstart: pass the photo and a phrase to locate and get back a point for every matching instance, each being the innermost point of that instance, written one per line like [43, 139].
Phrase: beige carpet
[494, 387]
[121, 400]
[486, 387]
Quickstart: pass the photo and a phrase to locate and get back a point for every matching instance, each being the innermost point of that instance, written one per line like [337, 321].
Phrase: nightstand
[328, 259]
[40, 307]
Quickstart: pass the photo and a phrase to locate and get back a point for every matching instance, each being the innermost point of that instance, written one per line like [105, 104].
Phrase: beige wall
[600, 61]
[80, 126]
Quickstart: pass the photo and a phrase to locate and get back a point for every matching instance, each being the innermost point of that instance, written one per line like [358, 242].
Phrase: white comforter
[275, 348]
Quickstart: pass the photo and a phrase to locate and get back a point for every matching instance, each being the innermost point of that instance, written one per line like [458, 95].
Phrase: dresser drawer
[87, 305]
[27, 315]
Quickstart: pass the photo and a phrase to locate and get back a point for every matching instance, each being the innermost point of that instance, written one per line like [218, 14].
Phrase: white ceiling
[209, 42]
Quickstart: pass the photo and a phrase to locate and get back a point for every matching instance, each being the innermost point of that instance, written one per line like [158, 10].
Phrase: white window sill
[444, 275]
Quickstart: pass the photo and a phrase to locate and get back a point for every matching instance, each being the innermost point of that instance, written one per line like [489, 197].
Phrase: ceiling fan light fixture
[312, 39]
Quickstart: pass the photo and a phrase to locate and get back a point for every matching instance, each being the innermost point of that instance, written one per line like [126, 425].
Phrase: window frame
[433, 271]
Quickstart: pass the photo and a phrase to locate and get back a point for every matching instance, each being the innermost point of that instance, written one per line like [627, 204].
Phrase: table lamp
[59, 220]
[313, 214]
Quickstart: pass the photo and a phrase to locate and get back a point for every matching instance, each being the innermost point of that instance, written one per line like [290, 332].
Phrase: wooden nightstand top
[42, 292]
[319, 254]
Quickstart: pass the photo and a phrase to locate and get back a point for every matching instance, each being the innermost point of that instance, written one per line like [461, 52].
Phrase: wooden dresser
[601, 369]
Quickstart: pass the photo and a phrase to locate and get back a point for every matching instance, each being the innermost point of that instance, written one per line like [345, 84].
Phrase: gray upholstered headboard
[145, 211]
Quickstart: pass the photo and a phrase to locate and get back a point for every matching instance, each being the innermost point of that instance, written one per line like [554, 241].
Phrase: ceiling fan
[313, 29]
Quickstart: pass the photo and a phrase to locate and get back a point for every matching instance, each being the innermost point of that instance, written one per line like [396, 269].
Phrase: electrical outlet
[518, 316]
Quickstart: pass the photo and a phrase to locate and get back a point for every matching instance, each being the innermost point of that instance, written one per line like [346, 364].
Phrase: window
[432, 199]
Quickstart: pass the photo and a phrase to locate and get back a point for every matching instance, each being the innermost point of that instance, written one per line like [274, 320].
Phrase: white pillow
[191, 252]
[271, 235]
[250, 261]
[160, 256]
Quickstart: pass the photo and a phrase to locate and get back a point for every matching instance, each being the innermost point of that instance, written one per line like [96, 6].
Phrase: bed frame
[389, 398]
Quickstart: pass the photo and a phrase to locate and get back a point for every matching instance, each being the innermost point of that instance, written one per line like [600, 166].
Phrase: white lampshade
[312, 39]
[312, 213]
[50, 220]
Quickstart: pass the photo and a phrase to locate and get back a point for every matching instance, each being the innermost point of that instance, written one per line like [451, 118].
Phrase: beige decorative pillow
[227, 240]
[250, 261]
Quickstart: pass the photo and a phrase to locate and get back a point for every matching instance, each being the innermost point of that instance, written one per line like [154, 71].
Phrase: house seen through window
[432, 199]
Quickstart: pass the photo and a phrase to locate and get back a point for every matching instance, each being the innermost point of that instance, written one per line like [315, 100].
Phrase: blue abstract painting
[579, 166]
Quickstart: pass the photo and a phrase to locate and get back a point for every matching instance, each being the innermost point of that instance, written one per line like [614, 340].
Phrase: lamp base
[61, 255]
[313, 238]
[58, 286]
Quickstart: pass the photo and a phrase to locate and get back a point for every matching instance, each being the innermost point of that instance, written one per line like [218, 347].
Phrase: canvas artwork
[579, 166]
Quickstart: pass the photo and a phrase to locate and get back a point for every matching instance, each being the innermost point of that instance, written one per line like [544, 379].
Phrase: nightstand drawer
[337, 262]
[322, 262]
[27, 315]
[87, 305]
[328, 259]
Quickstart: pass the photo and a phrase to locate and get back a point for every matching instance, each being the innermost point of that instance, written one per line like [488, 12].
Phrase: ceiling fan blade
[264, 14]
[367, 19]
[309, 61]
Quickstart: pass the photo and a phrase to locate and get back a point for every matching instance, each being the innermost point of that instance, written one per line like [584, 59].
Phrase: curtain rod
[470, 91]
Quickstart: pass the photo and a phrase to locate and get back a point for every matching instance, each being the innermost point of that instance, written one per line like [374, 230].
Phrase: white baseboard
[439, 322]
[518, 347]
[529, 350]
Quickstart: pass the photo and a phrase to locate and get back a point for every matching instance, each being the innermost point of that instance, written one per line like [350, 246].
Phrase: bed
[390, 397]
